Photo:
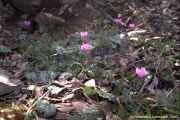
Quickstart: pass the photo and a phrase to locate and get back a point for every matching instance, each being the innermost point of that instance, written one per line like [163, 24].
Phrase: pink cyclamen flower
[119, 20]
[84, 35]
[86, 47]
[27, 23]
[131, 24]
[141, 72]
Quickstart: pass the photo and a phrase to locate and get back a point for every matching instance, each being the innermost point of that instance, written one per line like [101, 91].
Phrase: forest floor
[132, 71]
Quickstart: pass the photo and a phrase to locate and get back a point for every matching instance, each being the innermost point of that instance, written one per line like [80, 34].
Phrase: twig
[171, 111]
[29, 110]
[144, 85]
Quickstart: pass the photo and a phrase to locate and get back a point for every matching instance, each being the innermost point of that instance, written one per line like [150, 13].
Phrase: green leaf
[104, 94]
[76, 68]
[90, 91]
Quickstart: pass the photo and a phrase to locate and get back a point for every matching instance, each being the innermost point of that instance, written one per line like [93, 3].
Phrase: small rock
[45, 110]
[7, 85]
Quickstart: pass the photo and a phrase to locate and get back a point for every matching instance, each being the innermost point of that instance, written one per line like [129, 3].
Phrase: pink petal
[118, 21]
[141, 72]
[131, 25]
[83, 34]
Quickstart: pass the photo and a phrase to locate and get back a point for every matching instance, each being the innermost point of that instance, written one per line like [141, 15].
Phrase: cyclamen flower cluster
[119, 21]
[86, 46]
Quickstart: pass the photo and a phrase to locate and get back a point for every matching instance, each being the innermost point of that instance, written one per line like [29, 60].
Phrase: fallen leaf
[90, 83]
[68, 97]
